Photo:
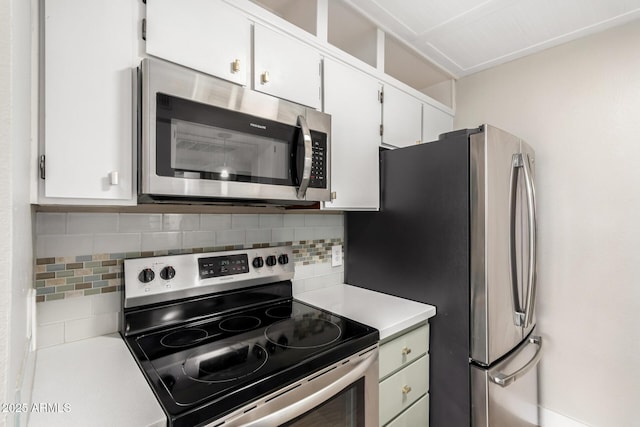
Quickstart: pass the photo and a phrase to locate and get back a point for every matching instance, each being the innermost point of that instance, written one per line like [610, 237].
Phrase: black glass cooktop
[221, 363]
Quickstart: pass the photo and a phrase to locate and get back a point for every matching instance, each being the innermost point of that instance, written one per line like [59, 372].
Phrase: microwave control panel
[318, 162]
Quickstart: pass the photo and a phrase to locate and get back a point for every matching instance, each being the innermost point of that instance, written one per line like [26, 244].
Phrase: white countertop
[95, 382]
[386, 313]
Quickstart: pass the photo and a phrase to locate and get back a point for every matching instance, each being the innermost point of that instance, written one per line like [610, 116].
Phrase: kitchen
[569, 102]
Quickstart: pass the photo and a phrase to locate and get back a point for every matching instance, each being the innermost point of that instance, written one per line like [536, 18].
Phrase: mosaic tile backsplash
[84, 275]
[79, 258]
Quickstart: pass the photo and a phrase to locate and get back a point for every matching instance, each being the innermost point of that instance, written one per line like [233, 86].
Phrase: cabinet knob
[235, 66]
[113, 177]
[264, 78]
[406, 390]
[406, 351]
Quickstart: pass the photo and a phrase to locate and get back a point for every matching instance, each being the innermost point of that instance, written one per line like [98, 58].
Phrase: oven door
[342, 395]
[204, 137]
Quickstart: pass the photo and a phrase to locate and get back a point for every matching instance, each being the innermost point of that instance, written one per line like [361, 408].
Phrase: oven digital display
[223, 265]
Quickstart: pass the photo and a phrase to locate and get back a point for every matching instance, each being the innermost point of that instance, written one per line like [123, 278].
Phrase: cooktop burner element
[239, 324]
[226, 364]
[303, 332]
[183, 337]
[280, 312]
[234, 335]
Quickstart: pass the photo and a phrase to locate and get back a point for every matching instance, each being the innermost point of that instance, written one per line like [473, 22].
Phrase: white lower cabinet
[404, 379]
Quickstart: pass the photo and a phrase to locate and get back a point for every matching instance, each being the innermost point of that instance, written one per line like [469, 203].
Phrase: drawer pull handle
[406, 351]
[406, 390]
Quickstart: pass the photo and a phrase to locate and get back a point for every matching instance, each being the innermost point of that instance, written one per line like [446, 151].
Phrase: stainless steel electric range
[222, 342]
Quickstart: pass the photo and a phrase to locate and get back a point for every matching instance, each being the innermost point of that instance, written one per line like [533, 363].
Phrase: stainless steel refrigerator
[457, 229]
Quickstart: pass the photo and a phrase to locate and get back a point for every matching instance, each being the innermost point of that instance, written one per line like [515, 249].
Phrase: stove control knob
[271, 260]
[257, 262]
[168, 273]
[283, 259]
[146, 275]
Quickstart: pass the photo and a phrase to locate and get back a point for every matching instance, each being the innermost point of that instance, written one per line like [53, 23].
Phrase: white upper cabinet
[351, 97]
[87, 135]
[206, 35]
[286, 68]
[401, 118]
[434, 122]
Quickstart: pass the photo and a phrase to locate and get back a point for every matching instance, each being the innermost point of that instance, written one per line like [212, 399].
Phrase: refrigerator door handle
[518, 313]
[505, 380]
[533, 227]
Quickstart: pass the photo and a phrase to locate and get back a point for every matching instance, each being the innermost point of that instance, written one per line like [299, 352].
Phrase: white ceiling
[466, 36]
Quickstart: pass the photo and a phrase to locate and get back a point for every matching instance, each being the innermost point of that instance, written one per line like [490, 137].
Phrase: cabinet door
[286, 68]
[401, 117]
[89, 54]
[351, 97]
[434, 122]
[206, 35]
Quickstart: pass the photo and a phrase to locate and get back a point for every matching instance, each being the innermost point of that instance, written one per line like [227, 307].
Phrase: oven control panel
[227, 265]
[166, 278]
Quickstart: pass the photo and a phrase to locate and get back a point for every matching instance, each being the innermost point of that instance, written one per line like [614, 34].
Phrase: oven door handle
[305, 134]
[299, 399]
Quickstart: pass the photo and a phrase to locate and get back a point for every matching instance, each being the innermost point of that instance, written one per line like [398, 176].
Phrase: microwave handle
[306, 170]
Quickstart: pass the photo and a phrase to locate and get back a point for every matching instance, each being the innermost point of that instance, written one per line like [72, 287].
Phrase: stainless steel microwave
[202, 139]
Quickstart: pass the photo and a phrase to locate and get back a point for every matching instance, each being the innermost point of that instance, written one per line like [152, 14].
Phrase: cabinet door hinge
[42, 167]
[144, 29]
[381, 96]
[381, 130]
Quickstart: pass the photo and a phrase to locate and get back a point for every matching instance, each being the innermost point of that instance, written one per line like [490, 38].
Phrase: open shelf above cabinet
[351, 32]
[302, 14]
[410, 67]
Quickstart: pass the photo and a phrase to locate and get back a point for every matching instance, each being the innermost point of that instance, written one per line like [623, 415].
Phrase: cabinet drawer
[403, 388]
[403, 350]
[416, 415]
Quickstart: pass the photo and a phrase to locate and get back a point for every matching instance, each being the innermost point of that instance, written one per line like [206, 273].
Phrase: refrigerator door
[507, 394]
[527, 229]
[495, 288]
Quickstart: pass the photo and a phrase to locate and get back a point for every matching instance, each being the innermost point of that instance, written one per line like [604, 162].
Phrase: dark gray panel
[417, 247]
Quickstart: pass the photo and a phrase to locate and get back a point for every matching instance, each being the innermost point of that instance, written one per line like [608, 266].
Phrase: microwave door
[303, 157]
[210, 152]
[215, 140]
